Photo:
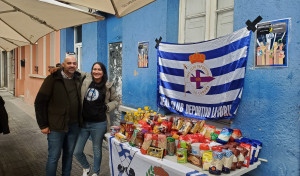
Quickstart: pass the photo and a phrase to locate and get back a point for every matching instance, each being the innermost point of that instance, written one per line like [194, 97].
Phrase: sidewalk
[23, 152]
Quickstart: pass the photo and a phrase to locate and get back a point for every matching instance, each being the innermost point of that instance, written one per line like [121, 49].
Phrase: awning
[119, 8]
[23, 22]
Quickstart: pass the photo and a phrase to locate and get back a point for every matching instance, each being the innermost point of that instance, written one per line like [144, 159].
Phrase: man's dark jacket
[52, 103]
[4, 128]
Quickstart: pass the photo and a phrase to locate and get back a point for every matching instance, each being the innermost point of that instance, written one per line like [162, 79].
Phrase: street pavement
[23, 152]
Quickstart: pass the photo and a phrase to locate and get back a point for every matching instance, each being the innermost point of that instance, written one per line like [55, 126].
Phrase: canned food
[182, 155]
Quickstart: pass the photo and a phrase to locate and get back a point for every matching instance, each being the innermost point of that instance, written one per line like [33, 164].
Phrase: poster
[143, 54]
[271, 46]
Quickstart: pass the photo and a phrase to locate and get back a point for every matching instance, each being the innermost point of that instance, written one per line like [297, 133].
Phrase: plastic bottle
[135, 117]
[130, 117]
[140, 111]
[126, 116]
[147, 108]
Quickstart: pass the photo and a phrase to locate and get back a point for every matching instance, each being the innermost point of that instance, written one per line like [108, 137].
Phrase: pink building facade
[32, 63]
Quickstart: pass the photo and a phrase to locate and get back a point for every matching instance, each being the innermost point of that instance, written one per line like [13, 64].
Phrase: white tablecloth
[129, 161]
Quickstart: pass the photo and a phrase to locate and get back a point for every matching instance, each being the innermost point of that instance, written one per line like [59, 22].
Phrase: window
[78, 44]
[204, 19]
[34, 49]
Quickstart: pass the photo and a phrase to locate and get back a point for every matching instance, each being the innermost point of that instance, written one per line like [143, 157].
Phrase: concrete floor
[23, 152]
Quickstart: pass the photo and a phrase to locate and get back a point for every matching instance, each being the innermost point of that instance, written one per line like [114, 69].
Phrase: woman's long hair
[101, 85]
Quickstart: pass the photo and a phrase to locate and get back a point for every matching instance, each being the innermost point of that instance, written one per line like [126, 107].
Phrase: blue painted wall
[89, 46]
[269, 110]
[102, 42]
[109, 31]
[145, 25]
[66, 42]
[114, 29]
[63, 44]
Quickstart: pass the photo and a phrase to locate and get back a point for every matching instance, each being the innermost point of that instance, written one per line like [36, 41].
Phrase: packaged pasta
[241, 157]
[247, 156]
[236, 153]
[147, 142]
[227, 163]
[162, 141]
[214, 136]
[207, 159]
[166, 126]
[217, 164]
[177, 123]
[185, 128]
[195, 160]
[154, 140]
[156, 129]
[139, 139]
[202, 123]
[195, 127]
[207, 130]
[224, 135]
[236, 134]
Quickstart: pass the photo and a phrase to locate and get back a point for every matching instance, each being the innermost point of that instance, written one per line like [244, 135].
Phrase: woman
[98, 99]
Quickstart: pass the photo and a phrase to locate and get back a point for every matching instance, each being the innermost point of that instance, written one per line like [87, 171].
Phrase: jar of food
[129, 127]
[171, 146]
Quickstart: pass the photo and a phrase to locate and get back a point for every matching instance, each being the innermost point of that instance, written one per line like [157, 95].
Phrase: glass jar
[171, 146]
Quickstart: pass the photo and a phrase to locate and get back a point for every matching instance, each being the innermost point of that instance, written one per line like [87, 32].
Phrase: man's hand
[45, 130]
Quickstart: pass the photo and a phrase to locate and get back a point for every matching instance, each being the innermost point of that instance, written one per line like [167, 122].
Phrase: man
[57, 107]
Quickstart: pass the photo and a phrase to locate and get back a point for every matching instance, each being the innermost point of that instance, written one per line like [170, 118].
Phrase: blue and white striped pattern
[226, 59]
[195, 173]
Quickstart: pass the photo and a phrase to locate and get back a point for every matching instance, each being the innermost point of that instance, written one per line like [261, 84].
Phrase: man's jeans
[64, 141]
[97, 131]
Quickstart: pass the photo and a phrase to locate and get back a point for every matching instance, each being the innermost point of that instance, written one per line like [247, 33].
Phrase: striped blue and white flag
[203, 80]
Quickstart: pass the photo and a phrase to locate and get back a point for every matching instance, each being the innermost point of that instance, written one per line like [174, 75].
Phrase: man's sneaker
[94, 174]
[86, 172]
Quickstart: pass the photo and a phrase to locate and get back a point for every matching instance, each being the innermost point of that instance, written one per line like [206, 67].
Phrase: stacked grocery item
[191, 140]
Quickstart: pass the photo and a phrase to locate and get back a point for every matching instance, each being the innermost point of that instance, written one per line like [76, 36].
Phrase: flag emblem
[197, 75]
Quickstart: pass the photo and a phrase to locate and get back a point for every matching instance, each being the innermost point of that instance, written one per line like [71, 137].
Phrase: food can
[114, 130]
[182, 155]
